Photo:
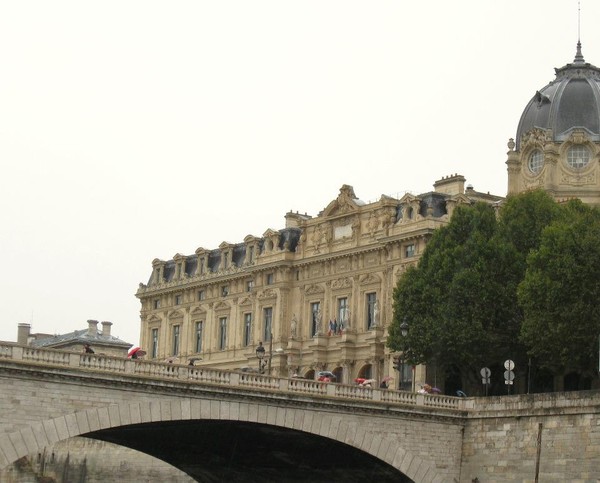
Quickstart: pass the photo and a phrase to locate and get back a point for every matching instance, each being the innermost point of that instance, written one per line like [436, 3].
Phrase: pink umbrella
[135, 352]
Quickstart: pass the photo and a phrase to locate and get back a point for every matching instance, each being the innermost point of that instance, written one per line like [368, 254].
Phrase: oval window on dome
[536, 161]
[578, 156]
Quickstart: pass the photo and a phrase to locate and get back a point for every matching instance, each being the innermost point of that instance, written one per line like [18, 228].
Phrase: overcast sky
[134, 130]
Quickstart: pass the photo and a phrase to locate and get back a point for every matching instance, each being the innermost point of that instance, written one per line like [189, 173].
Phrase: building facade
[317, 294]
[101, 341]
[557, 146]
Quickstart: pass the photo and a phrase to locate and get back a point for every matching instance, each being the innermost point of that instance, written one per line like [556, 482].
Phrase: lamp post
[403, 333]
[260, 354]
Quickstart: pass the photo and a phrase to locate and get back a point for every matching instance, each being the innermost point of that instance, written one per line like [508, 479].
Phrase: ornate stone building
[317, 293]
[557, 146]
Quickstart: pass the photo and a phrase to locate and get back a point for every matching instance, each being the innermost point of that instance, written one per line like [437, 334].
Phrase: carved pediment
[461, 199]
[245, 301]
[221, 306]
[154, 320]
[198, 311]
[370, 278]
[176, 314]
[313, 289]
[346, 202]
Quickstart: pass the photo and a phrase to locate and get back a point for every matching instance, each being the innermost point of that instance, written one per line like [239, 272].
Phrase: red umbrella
[135, 352]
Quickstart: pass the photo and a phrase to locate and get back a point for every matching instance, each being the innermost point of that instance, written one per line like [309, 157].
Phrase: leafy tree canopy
[460, 301]
[561, 290]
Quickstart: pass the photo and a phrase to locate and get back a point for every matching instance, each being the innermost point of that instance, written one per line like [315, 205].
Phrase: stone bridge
[219, 425]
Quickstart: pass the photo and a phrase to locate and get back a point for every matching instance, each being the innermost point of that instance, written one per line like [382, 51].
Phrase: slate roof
[81, 337]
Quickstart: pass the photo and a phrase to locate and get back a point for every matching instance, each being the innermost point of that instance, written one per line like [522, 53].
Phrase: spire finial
[578, 21]
[578, 55]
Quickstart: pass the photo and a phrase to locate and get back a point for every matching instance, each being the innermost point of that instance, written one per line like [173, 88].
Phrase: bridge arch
[318, 422]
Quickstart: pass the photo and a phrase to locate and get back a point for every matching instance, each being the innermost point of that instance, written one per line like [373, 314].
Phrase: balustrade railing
[197, 374]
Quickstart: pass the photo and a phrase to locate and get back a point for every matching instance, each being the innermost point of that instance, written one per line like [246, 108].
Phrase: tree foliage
[561, 290]
[460, 301]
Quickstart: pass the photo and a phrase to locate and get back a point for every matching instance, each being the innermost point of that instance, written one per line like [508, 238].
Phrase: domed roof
[572, 100]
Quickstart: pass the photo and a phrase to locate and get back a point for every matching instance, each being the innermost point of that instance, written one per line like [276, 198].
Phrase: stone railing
[52, 358]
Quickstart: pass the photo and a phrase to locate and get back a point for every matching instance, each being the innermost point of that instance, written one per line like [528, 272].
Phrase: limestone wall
[501, 438]
[84, 460]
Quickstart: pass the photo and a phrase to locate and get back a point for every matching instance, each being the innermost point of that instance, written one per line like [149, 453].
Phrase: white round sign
[509, 365]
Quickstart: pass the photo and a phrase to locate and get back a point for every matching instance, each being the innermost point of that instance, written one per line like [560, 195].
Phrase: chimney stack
[93, 327]
[23, 332]
[106, 328]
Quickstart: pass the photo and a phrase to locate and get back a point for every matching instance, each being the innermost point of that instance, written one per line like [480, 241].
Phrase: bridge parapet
[204, 375]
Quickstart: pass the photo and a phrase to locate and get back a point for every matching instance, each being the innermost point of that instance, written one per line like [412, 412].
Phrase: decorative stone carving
[313, 289]
[341, 283]
[266, 294]
[293, 327]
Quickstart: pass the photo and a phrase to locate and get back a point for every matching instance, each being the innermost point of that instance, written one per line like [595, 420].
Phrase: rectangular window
[201, 295]
[175, 350]
[157, 304]
[222, 333]
[372, 310]
[269, 279]
[154, 351]
[247, 328]
[224, 290]
[315, 310]
[343, 313]
[177, 299]
[250, 257]
[249, 285]
[201, 261]
[225, 257]
[268, 318]
[199, 329]
[410, 250]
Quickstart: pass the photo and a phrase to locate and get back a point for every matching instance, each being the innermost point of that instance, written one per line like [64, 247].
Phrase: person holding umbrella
[136, 353]
[385, 383]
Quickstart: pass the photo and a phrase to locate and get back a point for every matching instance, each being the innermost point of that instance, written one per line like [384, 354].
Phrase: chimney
[106, 328]
[92, 327]
[23, 334]
[450, 185]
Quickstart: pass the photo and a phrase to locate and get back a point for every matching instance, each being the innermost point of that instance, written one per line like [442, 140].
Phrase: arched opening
[366, 372]
[244, 452]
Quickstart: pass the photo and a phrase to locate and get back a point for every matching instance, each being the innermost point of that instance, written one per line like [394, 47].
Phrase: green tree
[461, 299]
[456, 300]
[560, 293]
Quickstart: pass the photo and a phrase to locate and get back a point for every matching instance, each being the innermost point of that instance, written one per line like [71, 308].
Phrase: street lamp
[260, 354]
[403, 333]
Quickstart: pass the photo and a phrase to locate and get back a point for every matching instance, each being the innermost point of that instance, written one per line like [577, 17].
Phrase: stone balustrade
[205, 375]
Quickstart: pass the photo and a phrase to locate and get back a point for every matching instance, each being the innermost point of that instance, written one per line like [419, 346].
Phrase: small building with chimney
[100, 339]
